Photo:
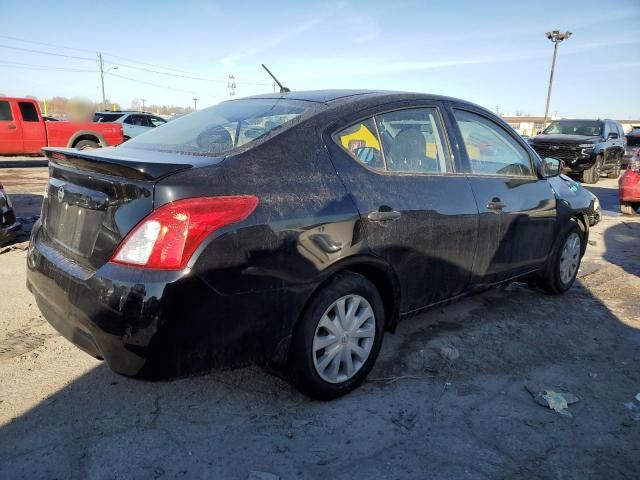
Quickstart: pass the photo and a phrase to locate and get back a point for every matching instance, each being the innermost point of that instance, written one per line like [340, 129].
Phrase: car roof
[124, 111]
[345, 96]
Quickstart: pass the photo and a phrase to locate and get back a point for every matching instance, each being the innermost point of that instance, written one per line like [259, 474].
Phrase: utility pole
[231, 84]
[104, 98]
[195, 103]
[143, 100]
[556, 37]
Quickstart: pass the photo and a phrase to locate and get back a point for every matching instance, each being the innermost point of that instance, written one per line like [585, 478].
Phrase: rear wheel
[86, 144]
[628, 208]
[592, 175]
[563, 269]
[337, 340]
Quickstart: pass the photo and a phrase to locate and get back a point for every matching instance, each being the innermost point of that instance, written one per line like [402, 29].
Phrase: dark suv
[587, 147]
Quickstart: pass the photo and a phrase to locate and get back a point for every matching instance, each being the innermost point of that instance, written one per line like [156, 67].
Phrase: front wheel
[592, 174]
[563, 268]
[337, 340]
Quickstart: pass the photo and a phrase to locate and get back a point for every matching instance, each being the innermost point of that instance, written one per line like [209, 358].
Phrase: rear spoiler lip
[143, 165]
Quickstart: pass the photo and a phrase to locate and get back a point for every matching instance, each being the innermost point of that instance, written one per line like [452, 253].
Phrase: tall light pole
[195, 103]
[143, 100]
[556, 37]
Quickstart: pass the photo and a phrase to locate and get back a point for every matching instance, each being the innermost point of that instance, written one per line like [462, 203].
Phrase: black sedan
[293, 230]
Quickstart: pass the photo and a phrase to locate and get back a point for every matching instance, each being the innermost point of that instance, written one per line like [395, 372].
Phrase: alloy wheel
[570, 257]
[343, 338]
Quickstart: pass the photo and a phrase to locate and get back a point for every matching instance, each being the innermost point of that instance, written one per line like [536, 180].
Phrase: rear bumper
[157, 324]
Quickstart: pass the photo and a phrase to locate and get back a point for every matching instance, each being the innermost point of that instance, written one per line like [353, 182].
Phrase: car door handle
[12, 127]
[379, 216]
[496, 205]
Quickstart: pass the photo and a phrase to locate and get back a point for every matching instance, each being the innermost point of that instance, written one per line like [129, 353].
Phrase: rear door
[517, 209]
[10, 131]
[33, 128]
[418, 213]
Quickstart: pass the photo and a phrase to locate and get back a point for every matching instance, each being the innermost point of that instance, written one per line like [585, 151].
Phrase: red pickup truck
[24, 131]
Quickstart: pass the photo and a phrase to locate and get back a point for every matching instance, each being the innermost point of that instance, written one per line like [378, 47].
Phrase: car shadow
[609, 201]
[418, 412]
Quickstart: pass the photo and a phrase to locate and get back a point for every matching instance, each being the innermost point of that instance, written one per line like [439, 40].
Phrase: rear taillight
[166, 239]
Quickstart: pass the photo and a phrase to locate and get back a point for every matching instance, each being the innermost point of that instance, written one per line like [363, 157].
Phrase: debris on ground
[255, 475]
[449, 353]
[634, 409]
[556, 401]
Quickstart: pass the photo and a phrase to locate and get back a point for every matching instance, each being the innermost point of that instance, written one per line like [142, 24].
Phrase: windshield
[223, 127]
[574, 127]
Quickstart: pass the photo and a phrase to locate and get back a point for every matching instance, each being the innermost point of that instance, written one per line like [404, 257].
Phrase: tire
[615, 171]
[563, 267]
[628, 208]
[309, 354]
[592, 175]
[86, 144]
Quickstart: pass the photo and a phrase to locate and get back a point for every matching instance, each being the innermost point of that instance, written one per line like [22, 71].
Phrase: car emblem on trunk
[60, 194]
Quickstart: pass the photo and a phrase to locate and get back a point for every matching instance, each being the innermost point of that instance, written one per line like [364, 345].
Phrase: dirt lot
[422, 414]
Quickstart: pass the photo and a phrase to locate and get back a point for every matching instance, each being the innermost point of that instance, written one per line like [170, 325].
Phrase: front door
[517, 209]
[418, 213]
[10, 132]
[33, 129]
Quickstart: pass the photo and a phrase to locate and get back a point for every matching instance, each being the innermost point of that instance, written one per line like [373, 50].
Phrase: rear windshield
[222, 128]
[106, 117]
[574, 127]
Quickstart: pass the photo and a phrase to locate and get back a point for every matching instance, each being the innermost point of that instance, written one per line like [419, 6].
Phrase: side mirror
[551, 167]
[612, 136]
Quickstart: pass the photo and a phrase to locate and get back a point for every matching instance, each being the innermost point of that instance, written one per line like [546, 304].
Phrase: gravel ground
[452, 395]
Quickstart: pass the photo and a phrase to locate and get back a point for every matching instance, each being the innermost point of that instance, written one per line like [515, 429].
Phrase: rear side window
[491, 150]
[106, 117]
[28, 112]
[137, 120]
[224, 127]
[413, 141]
[5, 111]
[410, 140]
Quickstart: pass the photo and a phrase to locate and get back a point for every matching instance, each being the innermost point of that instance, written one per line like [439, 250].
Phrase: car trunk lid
[94, 198]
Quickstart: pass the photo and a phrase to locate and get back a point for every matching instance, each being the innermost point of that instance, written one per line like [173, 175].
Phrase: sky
[495, 53]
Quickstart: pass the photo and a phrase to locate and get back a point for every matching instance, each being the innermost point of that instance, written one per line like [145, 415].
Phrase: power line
[153, 84]
[31, 66]
[185, 74]
[47, 53]
[46, 44]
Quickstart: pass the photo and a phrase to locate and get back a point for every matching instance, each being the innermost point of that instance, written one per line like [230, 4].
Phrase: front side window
[5, 111]
[157, 121]
[28, 112]
[410, 140]
[491, 150]
[223, 127]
